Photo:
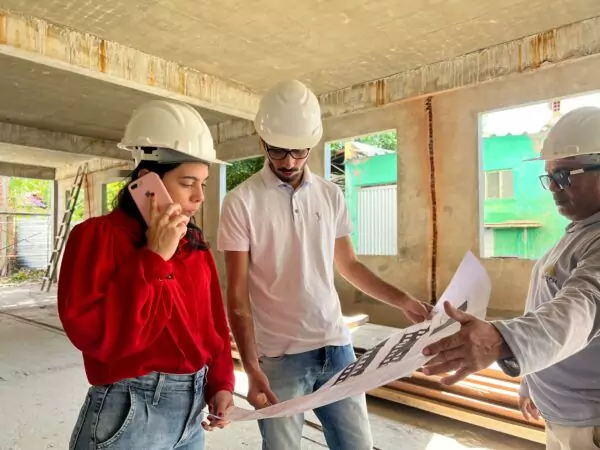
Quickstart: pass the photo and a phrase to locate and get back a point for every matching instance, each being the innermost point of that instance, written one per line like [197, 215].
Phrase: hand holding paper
[401, 353]
[476, 346]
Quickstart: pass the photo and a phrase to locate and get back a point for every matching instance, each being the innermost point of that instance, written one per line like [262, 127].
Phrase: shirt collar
[574, 226]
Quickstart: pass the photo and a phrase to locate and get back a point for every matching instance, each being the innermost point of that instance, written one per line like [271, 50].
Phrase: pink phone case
[142, 189]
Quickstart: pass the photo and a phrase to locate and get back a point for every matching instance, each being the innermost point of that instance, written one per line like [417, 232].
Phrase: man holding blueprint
[556, 344]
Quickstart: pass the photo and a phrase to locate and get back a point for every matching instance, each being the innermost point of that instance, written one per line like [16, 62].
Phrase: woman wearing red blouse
[143, 302]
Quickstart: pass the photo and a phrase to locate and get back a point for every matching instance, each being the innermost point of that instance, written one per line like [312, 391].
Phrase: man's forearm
[242, 327]
[366, 281]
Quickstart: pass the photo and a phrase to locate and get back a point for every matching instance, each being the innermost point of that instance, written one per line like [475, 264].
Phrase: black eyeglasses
[562, 178]
[278, 154]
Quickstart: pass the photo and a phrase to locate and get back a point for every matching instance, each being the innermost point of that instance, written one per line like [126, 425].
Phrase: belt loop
[158, 390]
[200, 379]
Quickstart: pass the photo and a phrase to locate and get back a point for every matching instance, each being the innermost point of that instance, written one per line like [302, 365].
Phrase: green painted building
[370, 189]
[520, 218]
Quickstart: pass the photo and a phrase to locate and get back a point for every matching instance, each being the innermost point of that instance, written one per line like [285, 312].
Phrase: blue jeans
[345, 423]
[153, 412]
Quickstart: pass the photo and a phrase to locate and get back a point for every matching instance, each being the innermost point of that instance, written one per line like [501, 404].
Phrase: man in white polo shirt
[282, 230]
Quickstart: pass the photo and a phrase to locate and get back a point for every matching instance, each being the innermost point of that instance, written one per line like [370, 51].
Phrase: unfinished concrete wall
[456, 165]
[456, 150]
[454, 158]
[410, 267]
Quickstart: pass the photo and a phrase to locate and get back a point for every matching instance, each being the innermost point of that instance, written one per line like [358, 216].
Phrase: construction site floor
[42, 385]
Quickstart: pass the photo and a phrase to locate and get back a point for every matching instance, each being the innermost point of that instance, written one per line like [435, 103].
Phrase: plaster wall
[456, 186]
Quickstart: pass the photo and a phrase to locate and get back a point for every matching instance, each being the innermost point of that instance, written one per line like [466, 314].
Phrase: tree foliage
[28, 195]
[112, 190]
[386, 140]
[241, 170]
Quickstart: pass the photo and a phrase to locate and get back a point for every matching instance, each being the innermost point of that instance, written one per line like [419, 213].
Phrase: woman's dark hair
[124, 202]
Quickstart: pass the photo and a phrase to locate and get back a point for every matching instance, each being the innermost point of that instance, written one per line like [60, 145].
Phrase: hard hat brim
[168, 156]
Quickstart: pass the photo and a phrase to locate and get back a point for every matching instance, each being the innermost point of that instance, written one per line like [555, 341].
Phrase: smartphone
[142, 190]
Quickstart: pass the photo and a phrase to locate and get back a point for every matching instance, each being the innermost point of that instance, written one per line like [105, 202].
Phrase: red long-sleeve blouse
[130, 312]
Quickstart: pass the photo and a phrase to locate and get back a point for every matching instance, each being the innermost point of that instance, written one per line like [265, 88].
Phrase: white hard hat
[176, 130]
[289, 116]
[576, 135]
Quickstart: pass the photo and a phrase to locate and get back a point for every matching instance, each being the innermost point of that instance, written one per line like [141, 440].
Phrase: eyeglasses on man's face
[562, 177]
[278, 154]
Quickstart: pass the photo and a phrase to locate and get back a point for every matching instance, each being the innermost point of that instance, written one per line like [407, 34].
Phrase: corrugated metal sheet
[488, 243]
[377, 231]
[33, 241]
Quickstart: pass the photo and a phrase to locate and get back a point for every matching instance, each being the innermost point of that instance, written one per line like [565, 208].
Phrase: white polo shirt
[291, 239]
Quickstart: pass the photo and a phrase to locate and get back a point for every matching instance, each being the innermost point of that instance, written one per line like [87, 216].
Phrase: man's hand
[363, 279]
[528, 408]
[476, 346]
[260, 394]
[218, 407]
[415, 310]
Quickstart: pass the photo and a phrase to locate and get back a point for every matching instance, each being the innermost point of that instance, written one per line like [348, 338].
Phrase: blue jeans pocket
[116, 413]
[80, 421]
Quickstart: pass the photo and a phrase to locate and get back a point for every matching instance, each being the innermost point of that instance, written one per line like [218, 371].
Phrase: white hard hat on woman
[169, 132]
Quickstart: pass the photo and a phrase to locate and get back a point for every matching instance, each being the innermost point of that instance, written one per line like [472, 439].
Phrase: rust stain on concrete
[103, 55]
[182, 82]
[543, 48]
[433, 201]
[379, 92]
[151, 78]
[520, 58]
[3, 37]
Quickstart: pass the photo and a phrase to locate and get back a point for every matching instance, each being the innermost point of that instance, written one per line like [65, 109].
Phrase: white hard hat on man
[289, 117]
[575, 136]
[169, 132]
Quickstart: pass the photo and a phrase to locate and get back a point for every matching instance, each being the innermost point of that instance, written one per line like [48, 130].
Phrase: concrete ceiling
[80, 67]
[329, 44]
[47, 98]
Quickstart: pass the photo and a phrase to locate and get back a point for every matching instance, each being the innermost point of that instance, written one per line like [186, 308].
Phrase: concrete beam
[57, 46]
[508, 60]
[241, 148]
[61, 142]
[95, 165]
[231, 130]
[26, 171]
[539, 51]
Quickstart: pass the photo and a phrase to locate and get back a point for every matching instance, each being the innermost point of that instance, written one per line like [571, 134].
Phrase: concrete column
[93, 195]
[211, 210]
[316, 160]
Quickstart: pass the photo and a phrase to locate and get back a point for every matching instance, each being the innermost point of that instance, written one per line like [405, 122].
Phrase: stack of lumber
[488, 399]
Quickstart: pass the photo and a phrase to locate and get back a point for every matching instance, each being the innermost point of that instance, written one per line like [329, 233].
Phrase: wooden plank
[476, 381]
[453, 398]
[484, 420]
[471, 390]
[356, 321]
[494, 371]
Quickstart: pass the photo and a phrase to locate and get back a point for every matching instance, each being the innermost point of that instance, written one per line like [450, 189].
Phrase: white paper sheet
[397, 356]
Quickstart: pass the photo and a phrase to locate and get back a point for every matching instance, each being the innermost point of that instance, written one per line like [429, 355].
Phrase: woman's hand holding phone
[165, 229]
